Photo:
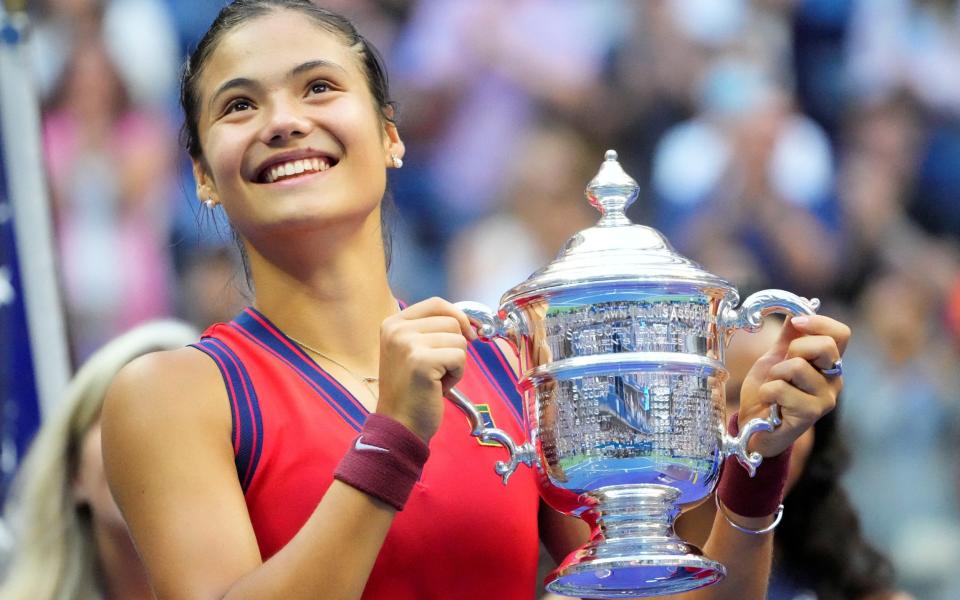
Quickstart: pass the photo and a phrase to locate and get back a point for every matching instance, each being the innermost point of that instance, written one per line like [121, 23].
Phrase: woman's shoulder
[168, 366]
[168, 389]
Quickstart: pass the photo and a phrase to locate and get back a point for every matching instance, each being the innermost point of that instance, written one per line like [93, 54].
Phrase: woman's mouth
[293, 168]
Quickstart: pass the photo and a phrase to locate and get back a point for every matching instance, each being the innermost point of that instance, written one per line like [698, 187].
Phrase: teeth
[295, 167]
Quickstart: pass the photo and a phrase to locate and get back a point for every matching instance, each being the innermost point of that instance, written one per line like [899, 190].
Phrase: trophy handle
[749, 316]
[524, 453]
[751, 313]
[737, 446]
[490, 326]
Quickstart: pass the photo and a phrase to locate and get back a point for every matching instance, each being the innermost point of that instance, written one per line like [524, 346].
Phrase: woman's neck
[331, 296]
[122, 574]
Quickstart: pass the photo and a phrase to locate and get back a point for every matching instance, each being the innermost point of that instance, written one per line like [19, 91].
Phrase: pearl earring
[397, 161]
[209, 203]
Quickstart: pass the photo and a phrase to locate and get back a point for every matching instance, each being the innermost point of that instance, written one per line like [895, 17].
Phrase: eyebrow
[240, 82]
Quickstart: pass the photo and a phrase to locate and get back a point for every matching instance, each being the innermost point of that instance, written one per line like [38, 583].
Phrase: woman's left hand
[789, 375]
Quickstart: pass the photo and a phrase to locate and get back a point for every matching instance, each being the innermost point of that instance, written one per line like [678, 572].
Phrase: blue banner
[19, 402]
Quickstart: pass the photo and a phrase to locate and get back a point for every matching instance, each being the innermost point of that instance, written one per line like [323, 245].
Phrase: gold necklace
[366, 381]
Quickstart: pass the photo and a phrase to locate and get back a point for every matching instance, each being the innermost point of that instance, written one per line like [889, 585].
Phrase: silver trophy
[621, 348]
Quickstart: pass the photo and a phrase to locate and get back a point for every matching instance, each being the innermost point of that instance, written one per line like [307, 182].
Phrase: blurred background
[812, 145]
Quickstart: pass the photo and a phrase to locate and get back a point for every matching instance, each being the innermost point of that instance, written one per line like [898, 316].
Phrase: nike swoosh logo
[359, 445]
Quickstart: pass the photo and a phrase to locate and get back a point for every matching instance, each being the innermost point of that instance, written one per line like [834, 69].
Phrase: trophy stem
[636, 511]
[634, 551]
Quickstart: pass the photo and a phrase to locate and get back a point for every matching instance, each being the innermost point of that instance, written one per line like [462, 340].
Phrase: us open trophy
[621, 348]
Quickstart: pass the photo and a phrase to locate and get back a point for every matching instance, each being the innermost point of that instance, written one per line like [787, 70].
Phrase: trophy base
[634, 551]
[635, 577]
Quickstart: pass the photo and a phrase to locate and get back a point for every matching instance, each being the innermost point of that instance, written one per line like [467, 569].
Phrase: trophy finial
[611, 191]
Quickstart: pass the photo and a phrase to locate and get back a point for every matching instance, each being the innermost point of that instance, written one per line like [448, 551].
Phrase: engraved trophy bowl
[621, 362]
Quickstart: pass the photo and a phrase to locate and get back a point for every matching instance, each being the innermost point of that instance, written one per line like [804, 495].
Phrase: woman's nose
[286, 121]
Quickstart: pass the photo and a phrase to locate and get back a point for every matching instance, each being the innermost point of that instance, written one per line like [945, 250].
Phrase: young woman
[70, 540]
[271, 460]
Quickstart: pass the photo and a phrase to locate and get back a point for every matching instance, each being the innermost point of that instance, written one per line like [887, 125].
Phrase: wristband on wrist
[385, 461]
[757, 496]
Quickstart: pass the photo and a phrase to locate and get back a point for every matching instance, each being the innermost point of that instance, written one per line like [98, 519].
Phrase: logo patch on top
[487, 418]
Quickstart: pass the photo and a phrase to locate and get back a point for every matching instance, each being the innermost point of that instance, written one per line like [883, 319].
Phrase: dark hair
[239, 12]
[809, 549]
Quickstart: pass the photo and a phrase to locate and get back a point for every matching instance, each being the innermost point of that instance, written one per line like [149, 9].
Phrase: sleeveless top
[462, 534]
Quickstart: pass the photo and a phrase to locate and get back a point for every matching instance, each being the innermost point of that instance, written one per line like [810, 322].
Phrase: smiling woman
[273, 458]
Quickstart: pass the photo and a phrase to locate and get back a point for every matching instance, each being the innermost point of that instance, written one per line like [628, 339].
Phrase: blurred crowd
[811, 145]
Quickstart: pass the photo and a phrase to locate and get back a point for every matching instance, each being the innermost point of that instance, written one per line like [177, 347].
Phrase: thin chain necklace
[366, 381]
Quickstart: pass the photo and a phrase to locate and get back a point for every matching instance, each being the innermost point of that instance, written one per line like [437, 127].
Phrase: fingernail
[800, 320]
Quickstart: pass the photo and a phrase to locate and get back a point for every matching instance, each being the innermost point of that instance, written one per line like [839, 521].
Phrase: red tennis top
[462, 534]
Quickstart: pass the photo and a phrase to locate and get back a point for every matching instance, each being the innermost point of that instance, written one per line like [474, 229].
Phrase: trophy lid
[616, 249]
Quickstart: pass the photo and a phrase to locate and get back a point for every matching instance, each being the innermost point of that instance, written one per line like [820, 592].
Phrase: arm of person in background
[170, 464]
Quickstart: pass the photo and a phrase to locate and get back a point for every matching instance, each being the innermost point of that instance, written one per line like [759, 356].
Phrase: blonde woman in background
[70, 541]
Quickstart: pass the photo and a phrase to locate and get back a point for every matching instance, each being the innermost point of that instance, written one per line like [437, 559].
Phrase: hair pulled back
[239, 12]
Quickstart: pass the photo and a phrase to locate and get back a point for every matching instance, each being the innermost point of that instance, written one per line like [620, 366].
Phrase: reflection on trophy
[621, 346]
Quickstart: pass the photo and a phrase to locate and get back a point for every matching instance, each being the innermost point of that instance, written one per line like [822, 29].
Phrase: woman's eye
[319, 87]
[238, 105]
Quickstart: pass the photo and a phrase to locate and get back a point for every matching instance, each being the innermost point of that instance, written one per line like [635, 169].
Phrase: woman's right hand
[423, 351]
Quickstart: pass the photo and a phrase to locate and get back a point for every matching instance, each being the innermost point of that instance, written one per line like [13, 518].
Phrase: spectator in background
[906, 44]
[901, 412]
[58, 25]
[472, 78]
[880, 175]
[478, 79]
[71, 542]
[751, 173]
[543, 205]
[110, 167]
[913, 47]
[140, 37]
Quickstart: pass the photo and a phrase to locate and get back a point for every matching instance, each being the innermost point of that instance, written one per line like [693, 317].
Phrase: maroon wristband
[385, 461]
[757, 496]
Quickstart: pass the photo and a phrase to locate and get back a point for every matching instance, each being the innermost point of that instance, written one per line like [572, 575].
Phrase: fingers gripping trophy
[621, 351]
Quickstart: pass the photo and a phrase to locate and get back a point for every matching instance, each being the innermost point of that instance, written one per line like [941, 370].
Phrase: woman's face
[290, 135]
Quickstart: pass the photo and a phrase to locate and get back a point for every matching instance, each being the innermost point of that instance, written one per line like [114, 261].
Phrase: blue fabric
[247, 419]
[19, 403]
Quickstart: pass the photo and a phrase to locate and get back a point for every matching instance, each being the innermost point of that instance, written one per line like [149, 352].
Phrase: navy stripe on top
[499, 374]
[247, 420]
[268, 336]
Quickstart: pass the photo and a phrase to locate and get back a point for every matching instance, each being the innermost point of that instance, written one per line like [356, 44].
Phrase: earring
[397, 161]
[209, 203]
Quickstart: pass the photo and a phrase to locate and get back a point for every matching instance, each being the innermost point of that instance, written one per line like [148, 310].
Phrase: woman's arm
[787, 375]
[168, 457]
[170, 464]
